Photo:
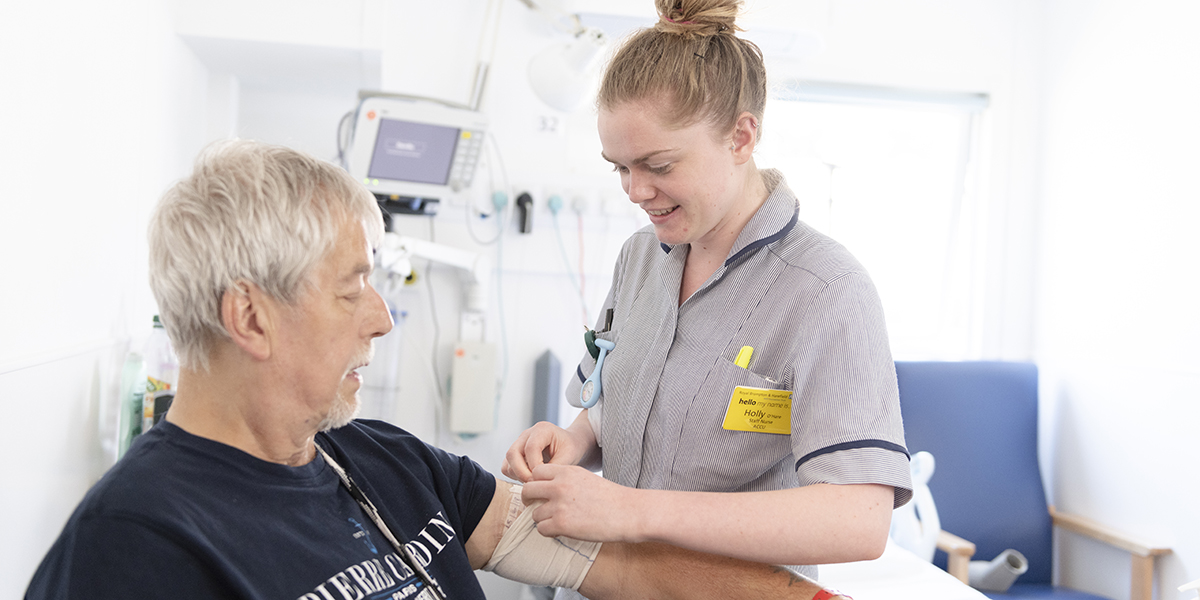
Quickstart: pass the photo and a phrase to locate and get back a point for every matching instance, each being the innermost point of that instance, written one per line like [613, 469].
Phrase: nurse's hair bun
[691, 66]
[693, 18]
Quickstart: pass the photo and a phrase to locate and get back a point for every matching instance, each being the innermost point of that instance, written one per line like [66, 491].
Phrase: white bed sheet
[897, 575]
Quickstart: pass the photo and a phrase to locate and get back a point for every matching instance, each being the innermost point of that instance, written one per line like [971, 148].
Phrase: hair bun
[692, 18]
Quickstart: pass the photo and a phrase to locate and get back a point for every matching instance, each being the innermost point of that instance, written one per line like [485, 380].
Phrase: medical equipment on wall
[473, 377]
[413, 152]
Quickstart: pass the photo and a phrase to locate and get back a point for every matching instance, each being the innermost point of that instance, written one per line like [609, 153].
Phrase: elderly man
[260, 484]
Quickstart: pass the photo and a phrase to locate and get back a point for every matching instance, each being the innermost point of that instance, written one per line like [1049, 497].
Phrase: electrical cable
[562, 247]
[503, 215]
[440, 406]
[437, 329]
[344, 138]
[488, 36]
[495, 30]
[582, 279]
[503, 332]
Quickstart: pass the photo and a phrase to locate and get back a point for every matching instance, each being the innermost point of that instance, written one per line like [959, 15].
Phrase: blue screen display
[417, 152]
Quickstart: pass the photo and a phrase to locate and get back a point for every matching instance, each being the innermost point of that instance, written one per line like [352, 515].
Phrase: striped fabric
[815, 322]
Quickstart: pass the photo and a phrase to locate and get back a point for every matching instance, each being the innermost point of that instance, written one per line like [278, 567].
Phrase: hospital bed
[897, 575]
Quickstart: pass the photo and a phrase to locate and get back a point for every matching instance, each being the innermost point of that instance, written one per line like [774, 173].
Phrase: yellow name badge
[760, 410]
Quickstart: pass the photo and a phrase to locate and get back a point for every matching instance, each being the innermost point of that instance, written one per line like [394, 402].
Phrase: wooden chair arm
[1104, 534]
[1142, 584]
[959, 553]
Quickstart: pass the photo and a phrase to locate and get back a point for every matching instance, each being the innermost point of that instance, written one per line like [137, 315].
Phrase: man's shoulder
[374, 445]
[396, 464]
[143, 478]
[372, 433]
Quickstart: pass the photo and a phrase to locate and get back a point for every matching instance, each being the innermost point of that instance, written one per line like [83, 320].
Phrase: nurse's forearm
[662, 572]
[814, 524]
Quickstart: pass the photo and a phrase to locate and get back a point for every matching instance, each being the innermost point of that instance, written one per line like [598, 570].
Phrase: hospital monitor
[411, 153]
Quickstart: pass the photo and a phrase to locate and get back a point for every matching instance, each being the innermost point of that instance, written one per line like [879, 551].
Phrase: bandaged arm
[527, 556]
[508, 541]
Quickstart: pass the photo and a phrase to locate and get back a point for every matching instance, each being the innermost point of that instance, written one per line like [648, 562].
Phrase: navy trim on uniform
[791, 278]
[851, 446]
[767, 240]
[579, 373]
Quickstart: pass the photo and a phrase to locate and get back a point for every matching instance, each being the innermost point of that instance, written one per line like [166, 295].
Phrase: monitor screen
[417, 152]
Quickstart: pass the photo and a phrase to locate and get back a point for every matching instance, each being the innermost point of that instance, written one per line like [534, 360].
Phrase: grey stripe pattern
[816, 324]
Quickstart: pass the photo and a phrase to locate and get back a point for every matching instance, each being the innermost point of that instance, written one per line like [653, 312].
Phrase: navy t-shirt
[186, 517]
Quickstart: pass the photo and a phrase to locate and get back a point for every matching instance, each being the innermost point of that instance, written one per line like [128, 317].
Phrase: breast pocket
[712, 457]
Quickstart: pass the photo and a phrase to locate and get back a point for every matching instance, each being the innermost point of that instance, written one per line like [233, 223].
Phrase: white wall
[95, 108]
[120, 77]
[976, 46]
[1118, 319]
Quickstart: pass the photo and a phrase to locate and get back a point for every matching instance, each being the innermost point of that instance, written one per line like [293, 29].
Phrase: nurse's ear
[745, 138]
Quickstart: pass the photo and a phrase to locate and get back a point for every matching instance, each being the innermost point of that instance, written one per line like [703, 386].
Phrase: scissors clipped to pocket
[589, 394]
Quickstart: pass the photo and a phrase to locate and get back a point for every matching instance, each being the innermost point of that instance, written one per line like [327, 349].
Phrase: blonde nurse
[748, 404]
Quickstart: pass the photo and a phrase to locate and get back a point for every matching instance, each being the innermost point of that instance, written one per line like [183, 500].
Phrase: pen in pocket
[743, 357]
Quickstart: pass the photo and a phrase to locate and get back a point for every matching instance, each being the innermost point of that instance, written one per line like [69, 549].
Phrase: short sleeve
[846, 419]
[402, 472]
[475, 489]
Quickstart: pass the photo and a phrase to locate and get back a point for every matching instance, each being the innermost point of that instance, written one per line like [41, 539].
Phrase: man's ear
[248, 317]
[745, 137]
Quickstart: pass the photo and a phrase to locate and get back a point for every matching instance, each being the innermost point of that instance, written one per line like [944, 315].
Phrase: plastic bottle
[133, 390]
[162, 374]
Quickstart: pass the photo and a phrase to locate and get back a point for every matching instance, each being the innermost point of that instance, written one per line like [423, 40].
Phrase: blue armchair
[980, 422]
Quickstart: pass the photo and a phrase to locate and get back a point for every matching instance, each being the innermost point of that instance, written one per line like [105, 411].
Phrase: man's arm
[483, 541]
[662, 572]
[647, 570]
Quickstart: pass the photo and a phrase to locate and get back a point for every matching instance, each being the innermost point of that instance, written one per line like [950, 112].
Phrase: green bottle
[133, 389]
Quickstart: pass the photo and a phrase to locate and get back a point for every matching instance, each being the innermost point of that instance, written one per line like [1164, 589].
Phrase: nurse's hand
[582, 505]
[548, 443]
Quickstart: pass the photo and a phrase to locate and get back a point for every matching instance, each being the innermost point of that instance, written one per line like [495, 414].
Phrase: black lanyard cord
[406, 555]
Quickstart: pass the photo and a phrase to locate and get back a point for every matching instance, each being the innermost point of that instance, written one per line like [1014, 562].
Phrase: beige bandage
[527, 556]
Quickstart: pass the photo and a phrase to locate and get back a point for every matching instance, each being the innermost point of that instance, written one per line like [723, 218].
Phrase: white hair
[248, 212]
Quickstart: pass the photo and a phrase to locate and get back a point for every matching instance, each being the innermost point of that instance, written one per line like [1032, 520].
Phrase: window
[889, 174]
